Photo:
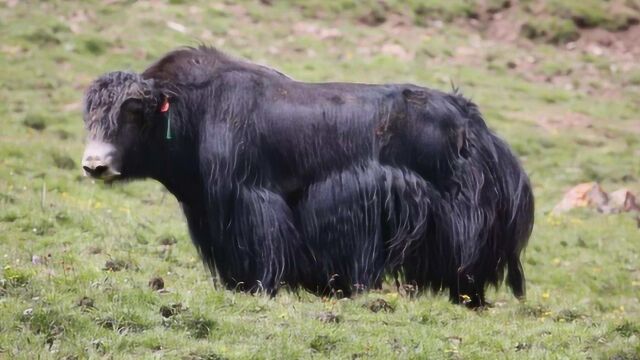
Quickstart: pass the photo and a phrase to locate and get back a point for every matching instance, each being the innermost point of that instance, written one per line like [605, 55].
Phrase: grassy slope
[58, 230]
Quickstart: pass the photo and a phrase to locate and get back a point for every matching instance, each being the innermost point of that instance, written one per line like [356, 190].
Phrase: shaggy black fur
[328, 187]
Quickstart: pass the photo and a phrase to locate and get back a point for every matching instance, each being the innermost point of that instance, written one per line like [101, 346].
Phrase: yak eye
[132, 110]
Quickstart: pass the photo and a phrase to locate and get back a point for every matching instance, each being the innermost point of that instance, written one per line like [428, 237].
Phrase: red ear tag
[164, 107]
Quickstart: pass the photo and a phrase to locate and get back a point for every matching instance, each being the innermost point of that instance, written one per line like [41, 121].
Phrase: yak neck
[178, 169]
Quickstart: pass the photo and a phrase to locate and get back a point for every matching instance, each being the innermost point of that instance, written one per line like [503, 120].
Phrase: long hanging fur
[329, 187]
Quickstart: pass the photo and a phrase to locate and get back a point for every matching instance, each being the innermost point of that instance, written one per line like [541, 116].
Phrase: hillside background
[559, 80]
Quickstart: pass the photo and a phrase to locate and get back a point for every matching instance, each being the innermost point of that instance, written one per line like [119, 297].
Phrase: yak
[327, 187]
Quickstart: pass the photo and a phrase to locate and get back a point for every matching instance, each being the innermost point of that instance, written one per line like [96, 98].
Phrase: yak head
[123, 120]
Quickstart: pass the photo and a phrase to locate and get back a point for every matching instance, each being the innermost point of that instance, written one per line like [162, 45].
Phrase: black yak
[330, 187]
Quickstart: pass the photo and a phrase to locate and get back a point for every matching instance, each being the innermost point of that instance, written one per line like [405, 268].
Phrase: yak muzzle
[98, 161]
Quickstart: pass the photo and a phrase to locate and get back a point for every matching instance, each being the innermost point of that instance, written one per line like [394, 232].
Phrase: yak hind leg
[468, 290]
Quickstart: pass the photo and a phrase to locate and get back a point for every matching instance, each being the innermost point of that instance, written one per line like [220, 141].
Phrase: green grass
[76, 257]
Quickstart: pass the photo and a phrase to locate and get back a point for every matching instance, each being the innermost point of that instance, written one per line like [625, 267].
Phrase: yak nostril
[95, 171]
[99, 169]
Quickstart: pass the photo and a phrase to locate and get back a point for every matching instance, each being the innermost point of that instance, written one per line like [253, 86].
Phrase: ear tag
[169, 137]
[164, 108]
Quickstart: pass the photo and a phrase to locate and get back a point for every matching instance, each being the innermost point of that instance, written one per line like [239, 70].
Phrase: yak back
[198, 66]
[324, 126]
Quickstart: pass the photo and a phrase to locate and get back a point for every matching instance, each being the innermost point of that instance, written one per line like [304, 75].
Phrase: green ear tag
[169, 137]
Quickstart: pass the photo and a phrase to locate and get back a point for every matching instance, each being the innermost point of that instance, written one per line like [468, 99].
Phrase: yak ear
[133, 106]
[462, 142]
[143, 101]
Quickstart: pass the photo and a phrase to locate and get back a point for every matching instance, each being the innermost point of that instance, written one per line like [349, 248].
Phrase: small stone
[455, 340]
[328, 317]
[93, 250]
[378, 305]
[168, 240]
[177, 27]
[36, 260]
[156, 283]
[85, 302]
[410, 290]
[168, 311]
[115, 265]
[97, 344]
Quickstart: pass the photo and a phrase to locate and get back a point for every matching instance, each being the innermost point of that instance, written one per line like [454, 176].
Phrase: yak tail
[522, 224]
[515, 278]
[493, 211]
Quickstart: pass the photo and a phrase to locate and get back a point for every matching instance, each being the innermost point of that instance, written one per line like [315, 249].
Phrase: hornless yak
[325, 186]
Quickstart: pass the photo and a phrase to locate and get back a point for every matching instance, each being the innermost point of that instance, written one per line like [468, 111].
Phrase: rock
[624, 200]
[328, 317]
[583, 195]
[177, 27]
[592, 195]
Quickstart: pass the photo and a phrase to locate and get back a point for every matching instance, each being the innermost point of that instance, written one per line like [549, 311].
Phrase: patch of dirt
[93, 250]
[378, 305]
[504, 26]
[77, 19]
[315, 30]
[620, 49]
[329, 317]
[397, 51]
[116, 265]
[567, 120]
[552, 122]
[375, 16]
[168, 311]
[85, 303]
[393, 38]
[167, 240]
[622, 45]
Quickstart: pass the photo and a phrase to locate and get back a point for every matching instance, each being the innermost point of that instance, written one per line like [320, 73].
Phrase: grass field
[76, 257]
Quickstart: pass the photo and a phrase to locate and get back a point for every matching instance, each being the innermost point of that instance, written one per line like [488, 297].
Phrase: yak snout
[98, 161]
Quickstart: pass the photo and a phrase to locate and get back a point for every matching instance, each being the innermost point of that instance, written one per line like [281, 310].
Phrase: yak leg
[340, 221]
[200, 232]
[259, 246]
[467, 290]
